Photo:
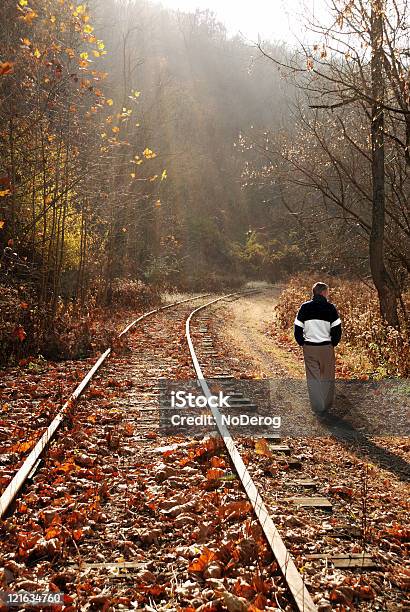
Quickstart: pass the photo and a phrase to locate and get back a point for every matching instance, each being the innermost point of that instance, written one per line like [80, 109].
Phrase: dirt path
[366, 479]
[246, 327]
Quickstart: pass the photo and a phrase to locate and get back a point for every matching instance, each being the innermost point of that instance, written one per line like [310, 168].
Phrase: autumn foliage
[373, 347]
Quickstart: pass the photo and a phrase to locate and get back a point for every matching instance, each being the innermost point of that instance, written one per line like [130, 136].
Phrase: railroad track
[204, 360]
[294, 579]
[32, 461]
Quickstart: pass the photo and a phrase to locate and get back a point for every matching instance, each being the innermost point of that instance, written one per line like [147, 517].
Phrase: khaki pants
[320, 375]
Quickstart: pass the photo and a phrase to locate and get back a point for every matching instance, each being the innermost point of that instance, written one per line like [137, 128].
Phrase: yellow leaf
[28, 17]
[88, 29]
[132, 176]
[262, 447]
[84, 55]
[4, 192]
[79, 10]
[164, 175]
[37, 54]
[96, 53]
[136, 94]
[23, 2]
[100, 45]
[149, 154]
[110, 102]
[115, 129]
[53, 18]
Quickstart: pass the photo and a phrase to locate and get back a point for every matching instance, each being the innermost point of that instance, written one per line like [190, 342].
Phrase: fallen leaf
[202, 562]
[6, 68]
[262, 447]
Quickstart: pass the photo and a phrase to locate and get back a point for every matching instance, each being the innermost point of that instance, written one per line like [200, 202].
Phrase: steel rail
[294, 579]
[32, 461]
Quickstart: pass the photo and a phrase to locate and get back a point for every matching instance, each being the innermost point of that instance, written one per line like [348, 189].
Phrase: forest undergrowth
[369, 347]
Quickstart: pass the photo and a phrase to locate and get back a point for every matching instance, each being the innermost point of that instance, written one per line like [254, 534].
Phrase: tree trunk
[383, 281]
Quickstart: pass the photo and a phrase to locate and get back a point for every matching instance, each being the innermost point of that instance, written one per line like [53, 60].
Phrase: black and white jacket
[317, 323]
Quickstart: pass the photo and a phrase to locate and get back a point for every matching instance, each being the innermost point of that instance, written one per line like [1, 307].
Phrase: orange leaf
[19, 333]
[21, 447]
[6, 68]
[93, 392]
[200, 564]
[24, 305]
[67, 466]
[215, 473]
[2, 224]
[53, 532]
[129, 429]
[28, 17]
[236, 509]
[77, 533]
[262, 448]
[218, 462]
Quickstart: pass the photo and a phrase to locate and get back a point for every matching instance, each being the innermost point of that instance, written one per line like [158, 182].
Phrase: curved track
[32, 461]
[293, 578]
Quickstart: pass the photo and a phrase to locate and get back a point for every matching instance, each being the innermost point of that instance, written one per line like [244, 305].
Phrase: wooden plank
[280, 448]
[221, 377]
[291, 463]
[116, 565]
[303, 482]
[274, 437]
[348, 561]
[312, 502]
[294, 579]
[367, 563]
[235, 408]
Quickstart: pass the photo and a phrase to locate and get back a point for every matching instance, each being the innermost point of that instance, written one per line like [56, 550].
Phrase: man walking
[318, 330]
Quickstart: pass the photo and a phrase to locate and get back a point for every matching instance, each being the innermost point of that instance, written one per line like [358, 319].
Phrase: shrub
[16, 322]
[71, 332]
[132, 295]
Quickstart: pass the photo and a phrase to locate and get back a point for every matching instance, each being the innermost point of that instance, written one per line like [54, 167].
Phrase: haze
[269, 19]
